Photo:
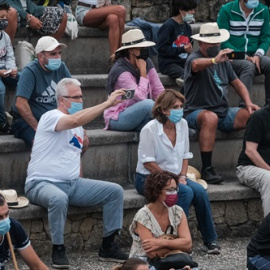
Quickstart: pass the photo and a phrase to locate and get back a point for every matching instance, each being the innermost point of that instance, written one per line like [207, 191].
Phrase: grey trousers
[259, 179]
[246, 71]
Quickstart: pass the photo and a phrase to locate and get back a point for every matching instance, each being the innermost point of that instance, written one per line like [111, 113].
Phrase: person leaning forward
[35, 92]
[19, 239]
[208, 74]
[53, 180]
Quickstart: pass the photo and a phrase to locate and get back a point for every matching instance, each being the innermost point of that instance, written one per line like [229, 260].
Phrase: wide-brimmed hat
[210, 33]
[134, 39]
[13, 200]
[47, 44]
[194, 175]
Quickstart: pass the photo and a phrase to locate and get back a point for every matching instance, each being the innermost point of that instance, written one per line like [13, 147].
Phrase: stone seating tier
[113, 156]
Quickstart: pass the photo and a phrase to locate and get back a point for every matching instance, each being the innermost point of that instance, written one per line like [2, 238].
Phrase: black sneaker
[210, 176]
[5, 129]
[211, 248]
[113, 254]
[59, 257]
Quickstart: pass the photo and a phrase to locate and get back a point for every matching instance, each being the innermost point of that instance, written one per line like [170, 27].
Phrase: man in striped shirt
[248, 24]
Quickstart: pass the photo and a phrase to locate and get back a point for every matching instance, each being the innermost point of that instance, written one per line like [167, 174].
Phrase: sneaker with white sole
[179, 81]
[211, 248]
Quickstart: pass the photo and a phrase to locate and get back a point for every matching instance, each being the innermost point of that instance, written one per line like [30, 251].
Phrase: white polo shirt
[155, 146]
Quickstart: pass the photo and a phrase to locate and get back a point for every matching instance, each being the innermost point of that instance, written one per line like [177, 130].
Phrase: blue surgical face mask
[176, 115]
[53, 63]
[3, 24]
[189, 18]
[4, 226]
[251, 4]
[75, 107]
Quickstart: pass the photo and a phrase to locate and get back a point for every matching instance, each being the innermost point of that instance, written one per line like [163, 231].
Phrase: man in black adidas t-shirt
[253, 168]
[19, 240]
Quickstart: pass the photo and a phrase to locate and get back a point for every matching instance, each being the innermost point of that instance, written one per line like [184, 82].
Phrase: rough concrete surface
[233, 256]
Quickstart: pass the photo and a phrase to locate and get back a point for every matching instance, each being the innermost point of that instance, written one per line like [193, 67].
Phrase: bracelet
[214, 61]
[29, 18]
[258, 54]
[183, 175]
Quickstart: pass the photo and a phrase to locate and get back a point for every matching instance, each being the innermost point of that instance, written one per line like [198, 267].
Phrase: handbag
[174, 259]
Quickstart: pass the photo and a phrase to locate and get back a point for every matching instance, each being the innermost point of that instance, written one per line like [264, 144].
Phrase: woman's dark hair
[122, 53]
[130, 264]
[182, 5]
[165, 101]
[4, 7]
[155, 182]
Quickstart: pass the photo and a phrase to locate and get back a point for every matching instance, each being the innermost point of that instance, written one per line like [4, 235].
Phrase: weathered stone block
[156, 13]
[95, 239]
[235, 213]
[39, 236]
[43, 247]
[142, 3]
[255, 212]
[218, 210]
[75, 226]
[74, 242]
[86, 228]
[67, 227]
[26, 225]
[36, 226]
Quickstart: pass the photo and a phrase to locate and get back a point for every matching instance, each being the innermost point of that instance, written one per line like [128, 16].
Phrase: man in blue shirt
[35, 93]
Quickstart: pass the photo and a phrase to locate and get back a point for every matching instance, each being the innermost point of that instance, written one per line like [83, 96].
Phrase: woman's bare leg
[12, 23]
[112, 17]
[61, 30]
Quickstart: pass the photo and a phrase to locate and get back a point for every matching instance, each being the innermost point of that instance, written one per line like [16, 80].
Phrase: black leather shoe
[210, 176]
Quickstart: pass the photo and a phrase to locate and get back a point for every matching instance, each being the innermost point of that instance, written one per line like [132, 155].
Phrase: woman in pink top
[133, 70]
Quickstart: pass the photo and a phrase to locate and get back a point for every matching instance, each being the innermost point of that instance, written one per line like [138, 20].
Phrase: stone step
[236, 211]
[112, 156]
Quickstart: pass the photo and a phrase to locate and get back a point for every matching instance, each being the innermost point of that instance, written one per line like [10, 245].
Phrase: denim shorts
[224, 123]
[80, 13]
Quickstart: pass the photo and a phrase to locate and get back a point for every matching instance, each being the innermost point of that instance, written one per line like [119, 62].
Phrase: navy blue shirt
[19, 240]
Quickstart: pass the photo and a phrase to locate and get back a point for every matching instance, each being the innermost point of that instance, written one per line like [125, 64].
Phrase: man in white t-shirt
[53, 175]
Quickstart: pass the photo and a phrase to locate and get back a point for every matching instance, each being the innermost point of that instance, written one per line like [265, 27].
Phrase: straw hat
[13, 200]
[194, 175]
[210, 33]
[134, 39]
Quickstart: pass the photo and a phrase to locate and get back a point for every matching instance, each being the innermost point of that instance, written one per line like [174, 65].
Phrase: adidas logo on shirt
[48, 96]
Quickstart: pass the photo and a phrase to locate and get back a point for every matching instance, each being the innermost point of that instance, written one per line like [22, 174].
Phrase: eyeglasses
[77, 98]
[172, 189]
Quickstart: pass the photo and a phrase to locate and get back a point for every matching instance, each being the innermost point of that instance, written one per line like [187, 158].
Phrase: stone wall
[158, 11]
[84, 231]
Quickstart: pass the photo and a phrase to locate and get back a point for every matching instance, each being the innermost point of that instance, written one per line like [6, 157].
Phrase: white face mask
[189, 18]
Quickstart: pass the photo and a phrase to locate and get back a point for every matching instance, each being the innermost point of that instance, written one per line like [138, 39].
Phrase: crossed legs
[112, 17]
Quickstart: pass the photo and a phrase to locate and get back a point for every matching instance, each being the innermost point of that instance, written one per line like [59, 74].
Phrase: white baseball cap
[47, 44]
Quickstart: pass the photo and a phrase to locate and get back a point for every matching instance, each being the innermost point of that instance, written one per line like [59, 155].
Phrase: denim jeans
[23, 131]
[57, 196]
[3, 82]
[191, 193]
[258, 263]
[134, 117]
